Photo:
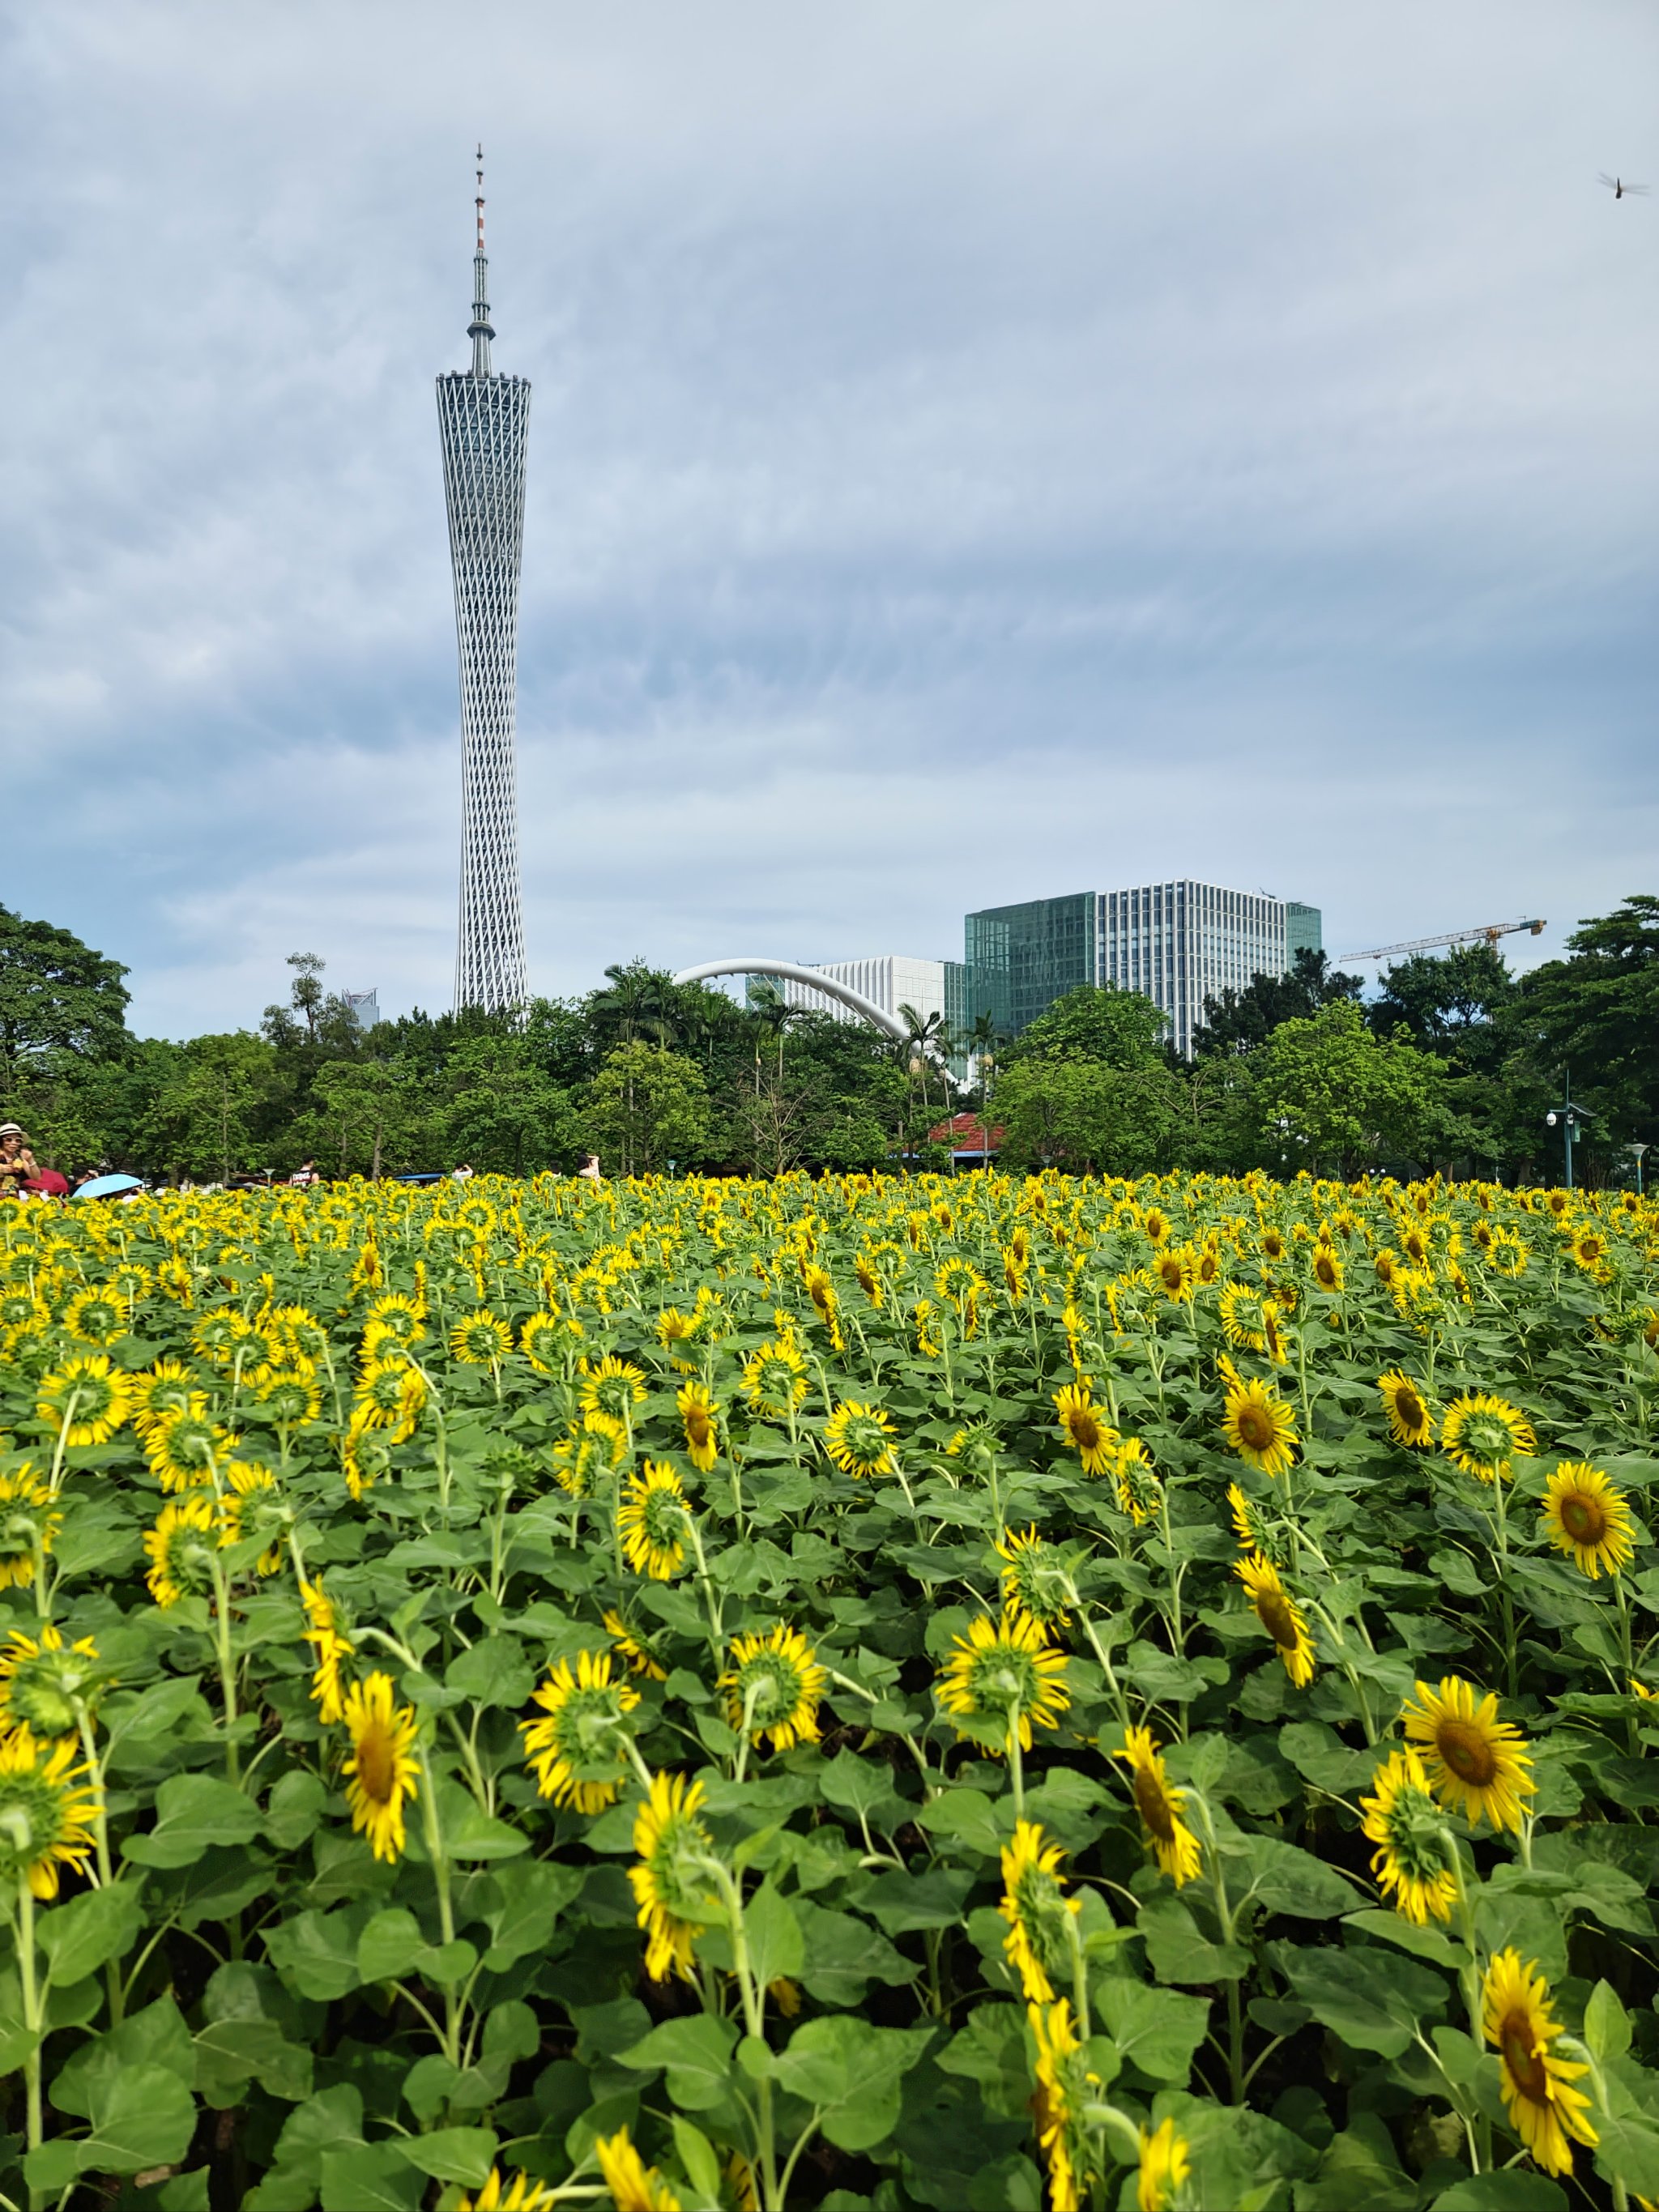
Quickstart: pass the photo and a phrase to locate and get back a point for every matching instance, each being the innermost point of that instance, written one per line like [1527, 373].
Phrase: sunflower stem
[227, 1670]
[33, 1995]
[100, 1835]
[432, 1829]
[1016, 1767]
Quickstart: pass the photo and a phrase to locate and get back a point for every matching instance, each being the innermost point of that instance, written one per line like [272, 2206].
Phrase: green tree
[503, 1116]
[645, 1107]
[57, 997]
[1088, 1116]
[376, 1111]
[1596, 1015]
[211, 1111]
[639, 1005]
[1324, 1094]
[1118, 1028]
[1239, 1021]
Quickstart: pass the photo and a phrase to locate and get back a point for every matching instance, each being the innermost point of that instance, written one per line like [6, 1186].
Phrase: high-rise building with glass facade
[1180, 943]
[485, 422]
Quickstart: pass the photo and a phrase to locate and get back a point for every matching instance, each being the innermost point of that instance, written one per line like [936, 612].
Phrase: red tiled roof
[966, 1132]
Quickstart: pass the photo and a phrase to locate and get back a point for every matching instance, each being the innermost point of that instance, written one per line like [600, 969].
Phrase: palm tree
[983, 1038]
[926, 1039]
[773, 1011]
[639, 1005]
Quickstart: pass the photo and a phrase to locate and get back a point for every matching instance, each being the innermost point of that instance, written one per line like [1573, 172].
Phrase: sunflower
[1160, 1805]
[579, 1458]
[1410, 1421]
[181, 1547]
[1586, 1515]
[1175, 1272]
[1136, 1479]
[381, 1771]
[1241, 1316]
[1005, 1674]
[45, 1814]
[1476, 1764]
[86, 1399]
[1080, 1421]
[521, 2194]
[1260, 1427]
[481, 1339]
[608, 1394]
[1481, 1434]
[632, 1647]
[858, 1439]
[671, 1882]
[1507, 1254]
[393, 1316]
[773, 1688]
[1590, 1252]
[1327, 1269]
[579, 1753]
[653, 1520]
[289, 1396]
[774, 1377]
[700, 1418]
[1037, 1910]
[167, 1387]
[1156, 1225]
[328, 1646]
[1064, 2085]
[95, 1316]
[46, 1685]
[634, 2185]
[1165, 2167]
[29, 1521]
[1414, 1862]
[184, 1443]
[822, 1291]
[253, 1506]
[536, 1338]
[1544, 2108]
[1279, 1615]
[1030, 1581]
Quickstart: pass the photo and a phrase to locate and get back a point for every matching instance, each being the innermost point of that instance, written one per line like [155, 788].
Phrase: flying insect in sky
[1619, 189]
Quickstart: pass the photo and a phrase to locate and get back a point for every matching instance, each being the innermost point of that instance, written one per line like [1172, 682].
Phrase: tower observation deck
[484, 422]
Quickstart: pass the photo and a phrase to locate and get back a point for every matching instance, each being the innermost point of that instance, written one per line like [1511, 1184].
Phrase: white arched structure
[791, 971]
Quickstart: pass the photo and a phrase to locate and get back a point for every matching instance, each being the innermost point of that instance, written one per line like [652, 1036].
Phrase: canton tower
[484, 420]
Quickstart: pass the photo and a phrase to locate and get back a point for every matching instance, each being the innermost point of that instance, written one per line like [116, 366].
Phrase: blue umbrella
[108, 1186]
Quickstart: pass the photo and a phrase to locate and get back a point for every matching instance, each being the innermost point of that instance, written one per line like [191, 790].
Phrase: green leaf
[991, 2052]
[80, 1937]
[773, 1936]
[140, 2116]
[862, 1786]
[696, 2052]
[699, 2158]
[1506, 2190]
[331, 2121]
[156, 2037]
[295, 1808]
[370, 2177]
[905, 1901]
[192, 1812]
[462, 2154]
[495, 1672]
[390, 1946]
[469, 1833]
[1374, 2000]
[1607, 2025]
[231, 2053]
[852, 2073]
[526, 1898]
[1287, 1881]
[844, 1954]
[1157, 2030]
[1394, 1928]
[965, 1817]
[1178, 1949]
[1359, 2168]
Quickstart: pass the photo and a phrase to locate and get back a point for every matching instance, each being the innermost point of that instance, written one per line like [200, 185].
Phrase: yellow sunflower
[1037, 1908]
[858, 1439]
[252, 1506]
[1260, 1427]
[328, 1646]
[95, 1315]
[652, 1521]
[1412, 1862]
[538, 1339]
[481, 1340]
[521, 2194]
[47, 1685]
[1136, 1479]
[632, 1647]
[87, 1400]
[45, 1812]
[579, 1751]
[774, 1377]
[1030, 1580]
[1586, 1517]
[671, 1884]
[1544, 2108]
[1241, 1316]
[634, 2185]
[1279, 1615]
[1080, 1422]
[700, 1418]
[1004, 1675]
[382, 1770]
[1161, 1806]
[608, 1394]
[181, 1547]
[774, 1686]
[1410, 1421]
[1482, 1434]
[1476, 1763]
[1327, 1270]
[29, 1521]
[1165, 2167]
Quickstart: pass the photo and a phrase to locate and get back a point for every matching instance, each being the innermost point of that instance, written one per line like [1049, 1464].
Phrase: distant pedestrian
[461, 1174]
[589, 1170]
[18, 1164]
[305, 1175]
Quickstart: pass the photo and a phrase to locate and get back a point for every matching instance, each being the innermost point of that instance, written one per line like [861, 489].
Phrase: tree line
[1453, 1064]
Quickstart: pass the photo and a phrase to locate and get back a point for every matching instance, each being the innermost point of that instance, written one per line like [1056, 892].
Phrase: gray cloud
[975, 452]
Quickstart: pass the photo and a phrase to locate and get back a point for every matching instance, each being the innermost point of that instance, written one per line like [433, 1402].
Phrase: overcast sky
[976, 453]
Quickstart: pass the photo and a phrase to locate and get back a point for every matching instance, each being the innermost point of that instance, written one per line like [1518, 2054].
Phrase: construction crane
[1488, 932]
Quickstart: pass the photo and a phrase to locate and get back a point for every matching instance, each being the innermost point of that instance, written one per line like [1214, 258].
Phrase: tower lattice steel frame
[484, 421]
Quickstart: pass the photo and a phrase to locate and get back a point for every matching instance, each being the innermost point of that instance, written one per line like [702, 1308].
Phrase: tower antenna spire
[480, 202]
[478, 329]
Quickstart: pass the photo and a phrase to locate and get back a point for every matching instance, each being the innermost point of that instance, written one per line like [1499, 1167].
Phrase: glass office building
[1180, 943]
[1304, 929]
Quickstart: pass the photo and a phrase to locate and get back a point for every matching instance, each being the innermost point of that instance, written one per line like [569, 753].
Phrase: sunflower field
[857, 1692]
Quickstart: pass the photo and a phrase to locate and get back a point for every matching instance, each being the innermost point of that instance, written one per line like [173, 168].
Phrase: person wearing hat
[18, 1164]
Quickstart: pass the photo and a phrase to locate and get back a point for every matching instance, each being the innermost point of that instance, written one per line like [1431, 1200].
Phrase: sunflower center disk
[1523, 2058]
[1468, 1754]
[1154, 1807]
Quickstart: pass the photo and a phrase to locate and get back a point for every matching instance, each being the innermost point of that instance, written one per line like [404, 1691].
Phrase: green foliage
[57, 996]
[1326, 1096]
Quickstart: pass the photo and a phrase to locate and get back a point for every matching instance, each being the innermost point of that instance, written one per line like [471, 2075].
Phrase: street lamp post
[1640, 1151]
[1568, 1115]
